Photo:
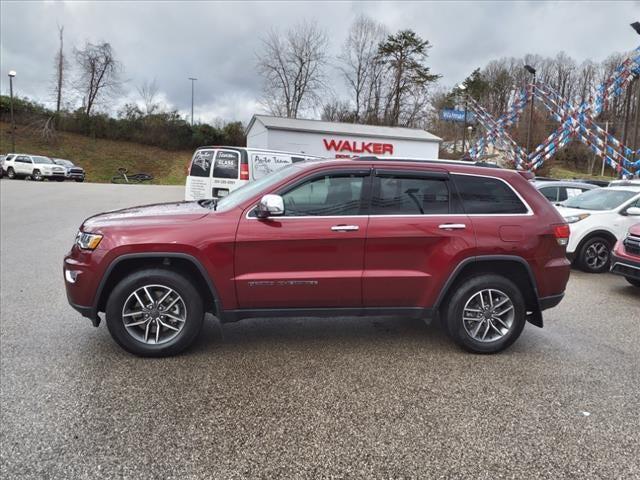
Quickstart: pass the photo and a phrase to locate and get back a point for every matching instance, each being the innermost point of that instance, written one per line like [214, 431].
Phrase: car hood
[160, 213]
[567, 212]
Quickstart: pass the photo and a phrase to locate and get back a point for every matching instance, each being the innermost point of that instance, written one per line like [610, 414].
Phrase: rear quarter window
[201, 163]
[486, 195]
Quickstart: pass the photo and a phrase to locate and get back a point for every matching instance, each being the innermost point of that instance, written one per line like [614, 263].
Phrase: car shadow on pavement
[326, 331]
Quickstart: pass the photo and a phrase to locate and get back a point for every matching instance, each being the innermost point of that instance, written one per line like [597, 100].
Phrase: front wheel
[154, 313]
[37, 176]
[486, 314]
[595, 255]
[633, 281]
[79, 179]
[11, 173]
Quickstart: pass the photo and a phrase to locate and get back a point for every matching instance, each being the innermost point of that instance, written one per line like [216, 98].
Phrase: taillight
[244, 171]
[561, 232]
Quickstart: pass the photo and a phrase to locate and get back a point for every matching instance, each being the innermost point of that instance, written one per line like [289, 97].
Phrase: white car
[597, 219]
[36, 167]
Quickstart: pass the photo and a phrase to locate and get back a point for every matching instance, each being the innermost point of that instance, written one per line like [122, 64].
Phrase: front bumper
[81, 272]
[54, 175]
[625, 266]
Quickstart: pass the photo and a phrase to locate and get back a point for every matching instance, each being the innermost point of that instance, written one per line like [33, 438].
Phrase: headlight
[576, 218]
[88, 241]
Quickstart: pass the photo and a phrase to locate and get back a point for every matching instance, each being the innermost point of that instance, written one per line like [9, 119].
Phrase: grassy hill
[101, 158]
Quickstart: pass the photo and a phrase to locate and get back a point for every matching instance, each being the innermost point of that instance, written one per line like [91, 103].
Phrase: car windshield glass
[599, 199]
[37, 159]
[251, 189]
[64, 163]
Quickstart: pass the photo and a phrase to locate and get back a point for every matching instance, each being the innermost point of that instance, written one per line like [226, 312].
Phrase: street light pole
[464, 127]
[192, 84]
[532, 71]
[12, 74]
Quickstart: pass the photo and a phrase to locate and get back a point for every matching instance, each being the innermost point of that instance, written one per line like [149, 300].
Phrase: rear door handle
[345, 228]
[452, 226]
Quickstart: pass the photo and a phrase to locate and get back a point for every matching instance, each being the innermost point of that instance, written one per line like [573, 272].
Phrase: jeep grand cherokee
[479, 248]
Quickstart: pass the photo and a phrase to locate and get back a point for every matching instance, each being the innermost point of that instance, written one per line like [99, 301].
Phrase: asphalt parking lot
[300, 398]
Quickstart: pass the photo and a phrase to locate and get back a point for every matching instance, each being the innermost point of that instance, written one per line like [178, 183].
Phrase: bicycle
[122, 177]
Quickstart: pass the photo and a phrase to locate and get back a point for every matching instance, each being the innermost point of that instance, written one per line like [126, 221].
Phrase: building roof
[356, 129]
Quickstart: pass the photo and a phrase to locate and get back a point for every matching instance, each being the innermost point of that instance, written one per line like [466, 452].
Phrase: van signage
[354, 146]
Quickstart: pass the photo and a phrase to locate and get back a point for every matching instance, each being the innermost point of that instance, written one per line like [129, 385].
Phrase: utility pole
[532, 71]
[463, 88]
[12, 74]
[192, 84]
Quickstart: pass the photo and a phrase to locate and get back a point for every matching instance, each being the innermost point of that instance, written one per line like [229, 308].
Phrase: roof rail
[478, 163]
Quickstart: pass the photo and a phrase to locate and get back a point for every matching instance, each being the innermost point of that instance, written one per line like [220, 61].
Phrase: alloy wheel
[154, 314]
[597, 255]
[488, 315]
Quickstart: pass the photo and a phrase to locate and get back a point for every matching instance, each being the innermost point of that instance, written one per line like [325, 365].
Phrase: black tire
[591, 258]
[455, 325]
[633, 281]
[59, 179]
[155, 276]
[79, 179]
[11, 174]
[36, 176]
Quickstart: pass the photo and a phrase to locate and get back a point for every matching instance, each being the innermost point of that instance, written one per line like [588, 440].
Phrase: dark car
[72, 171]
[477, 247]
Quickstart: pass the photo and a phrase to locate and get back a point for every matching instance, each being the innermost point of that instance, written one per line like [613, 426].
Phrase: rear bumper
[550, 302]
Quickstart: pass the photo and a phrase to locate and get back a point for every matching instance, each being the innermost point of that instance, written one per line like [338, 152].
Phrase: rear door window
[550, 193]
[488, 196]
[201, 163]
[227, 164]
[409, 195]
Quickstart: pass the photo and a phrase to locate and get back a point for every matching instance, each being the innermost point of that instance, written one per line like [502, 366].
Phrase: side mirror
[270, 206]
[633, 211]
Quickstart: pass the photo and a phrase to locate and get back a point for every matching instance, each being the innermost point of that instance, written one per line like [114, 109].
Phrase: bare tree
[293, 69]
[358, 60]
[60, 65]
[148, 92]
[99, 74]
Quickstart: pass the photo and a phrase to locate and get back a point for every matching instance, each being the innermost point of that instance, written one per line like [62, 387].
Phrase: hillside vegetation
[101, 158]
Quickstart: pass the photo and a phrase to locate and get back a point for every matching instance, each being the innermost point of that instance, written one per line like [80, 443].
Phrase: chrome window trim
[472, 215]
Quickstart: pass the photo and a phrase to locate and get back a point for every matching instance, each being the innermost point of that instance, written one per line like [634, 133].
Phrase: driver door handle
[452, 226]
[345, 228]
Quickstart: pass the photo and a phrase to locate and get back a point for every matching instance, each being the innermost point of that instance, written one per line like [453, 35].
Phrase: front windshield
[248, 190]
[64, 163]
[37, 159]
[599, 199]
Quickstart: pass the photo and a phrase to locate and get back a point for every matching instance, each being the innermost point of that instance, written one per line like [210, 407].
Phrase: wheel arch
[596, 233]
[181, 262]
[512, 267]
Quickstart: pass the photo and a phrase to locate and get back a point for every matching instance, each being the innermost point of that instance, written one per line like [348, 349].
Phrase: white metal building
[331, 139]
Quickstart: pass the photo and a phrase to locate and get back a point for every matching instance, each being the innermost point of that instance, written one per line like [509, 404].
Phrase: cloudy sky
[217, 42]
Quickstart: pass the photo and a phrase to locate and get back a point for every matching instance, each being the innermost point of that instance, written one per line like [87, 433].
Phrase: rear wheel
[595, 255]
[154, 313]
[11, 173]
[486, 314]
[633, 281]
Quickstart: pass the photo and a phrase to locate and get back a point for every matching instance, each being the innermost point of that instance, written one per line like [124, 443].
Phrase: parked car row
[39, 167]
[599, 214]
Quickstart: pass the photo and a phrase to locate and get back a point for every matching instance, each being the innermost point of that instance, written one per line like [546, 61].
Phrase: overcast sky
[217, 42]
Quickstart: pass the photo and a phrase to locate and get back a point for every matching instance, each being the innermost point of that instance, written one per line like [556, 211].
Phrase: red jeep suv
[477, 247]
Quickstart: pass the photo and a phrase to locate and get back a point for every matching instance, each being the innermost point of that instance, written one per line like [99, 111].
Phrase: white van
[216, 171]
